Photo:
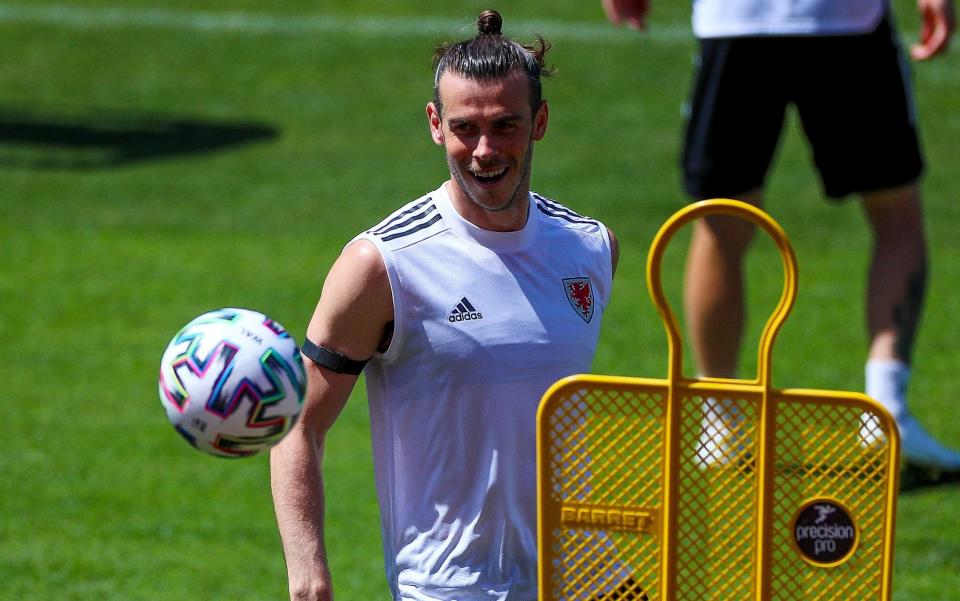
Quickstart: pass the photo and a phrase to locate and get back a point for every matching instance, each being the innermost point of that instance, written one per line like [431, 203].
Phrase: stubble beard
[522, 182]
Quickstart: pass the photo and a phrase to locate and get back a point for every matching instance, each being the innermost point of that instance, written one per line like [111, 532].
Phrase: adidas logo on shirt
[464, 311]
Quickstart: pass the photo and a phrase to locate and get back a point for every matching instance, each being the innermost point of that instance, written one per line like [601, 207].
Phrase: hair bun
[489, 22]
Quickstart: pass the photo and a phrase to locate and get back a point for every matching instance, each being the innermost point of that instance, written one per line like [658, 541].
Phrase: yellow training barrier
[708, 489]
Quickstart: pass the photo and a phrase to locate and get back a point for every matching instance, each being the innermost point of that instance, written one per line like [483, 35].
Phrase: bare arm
[351, 317]
[614, 250]
[631, 12]
[936, 28]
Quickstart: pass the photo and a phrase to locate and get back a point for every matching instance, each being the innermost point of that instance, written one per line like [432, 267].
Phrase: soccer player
[841, 66]
[462, 308]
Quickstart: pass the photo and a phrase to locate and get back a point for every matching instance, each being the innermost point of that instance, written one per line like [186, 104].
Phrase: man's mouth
[489, 176]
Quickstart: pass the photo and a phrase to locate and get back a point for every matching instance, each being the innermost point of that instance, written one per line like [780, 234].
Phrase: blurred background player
[841, 65]
[469, 302]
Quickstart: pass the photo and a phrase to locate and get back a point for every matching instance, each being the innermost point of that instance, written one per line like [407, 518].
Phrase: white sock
[887, 383]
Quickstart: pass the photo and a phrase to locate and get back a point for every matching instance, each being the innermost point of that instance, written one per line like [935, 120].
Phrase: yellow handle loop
[654, 259]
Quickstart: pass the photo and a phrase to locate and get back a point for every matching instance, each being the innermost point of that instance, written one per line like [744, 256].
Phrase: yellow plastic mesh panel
[601, 493]
[836, 450]
[717, 492]
[713, 489]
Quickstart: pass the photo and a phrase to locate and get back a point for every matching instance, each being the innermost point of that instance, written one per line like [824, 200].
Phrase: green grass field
[160, 159]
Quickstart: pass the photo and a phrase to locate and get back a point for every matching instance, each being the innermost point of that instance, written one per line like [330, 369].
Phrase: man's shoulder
[412, 222]
[555, 213]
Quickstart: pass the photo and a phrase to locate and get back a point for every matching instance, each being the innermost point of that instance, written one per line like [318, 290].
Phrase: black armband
[332, 360]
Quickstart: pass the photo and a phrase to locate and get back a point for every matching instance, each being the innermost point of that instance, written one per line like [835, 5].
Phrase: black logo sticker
[825, 533]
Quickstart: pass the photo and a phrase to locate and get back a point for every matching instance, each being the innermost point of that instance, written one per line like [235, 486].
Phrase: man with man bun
[462, 308]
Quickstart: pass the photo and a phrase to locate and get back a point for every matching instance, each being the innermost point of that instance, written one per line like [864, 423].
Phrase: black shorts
[852, 93]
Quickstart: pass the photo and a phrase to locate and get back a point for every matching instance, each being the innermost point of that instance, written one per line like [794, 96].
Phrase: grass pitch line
[254, 23]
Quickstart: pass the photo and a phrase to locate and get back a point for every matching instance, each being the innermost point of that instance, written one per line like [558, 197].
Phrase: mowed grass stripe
[251, 23]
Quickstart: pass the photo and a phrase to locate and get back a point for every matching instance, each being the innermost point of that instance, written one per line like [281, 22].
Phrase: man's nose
[485, 148]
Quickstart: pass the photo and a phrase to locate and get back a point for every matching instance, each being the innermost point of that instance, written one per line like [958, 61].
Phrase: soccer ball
[232, 382]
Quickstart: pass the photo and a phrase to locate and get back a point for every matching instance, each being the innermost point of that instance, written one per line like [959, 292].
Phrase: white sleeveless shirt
[732, 18]
[484, 323]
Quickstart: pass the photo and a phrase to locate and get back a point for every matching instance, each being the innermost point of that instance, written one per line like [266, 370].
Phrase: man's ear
[540, 121]
[436, 124]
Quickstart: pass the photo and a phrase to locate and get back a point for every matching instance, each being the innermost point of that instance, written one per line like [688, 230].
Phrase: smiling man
[487, 130]
[461, 308]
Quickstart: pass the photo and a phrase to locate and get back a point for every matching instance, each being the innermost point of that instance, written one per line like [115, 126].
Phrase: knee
[727, 236]
[895, 216]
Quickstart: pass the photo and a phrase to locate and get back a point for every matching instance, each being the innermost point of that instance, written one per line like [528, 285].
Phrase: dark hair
[489, 55]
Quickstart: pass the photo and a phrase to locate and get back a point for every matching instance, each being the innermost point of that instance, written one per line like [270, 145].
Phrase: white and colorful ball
[232, 382]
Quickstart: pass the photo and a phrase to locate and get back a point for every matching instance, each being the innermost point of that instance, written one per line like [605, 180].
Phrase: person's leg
[895, 294]
[714, 312]
[713, 291]
[731, 136]
[861, 124]
[898, 271]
